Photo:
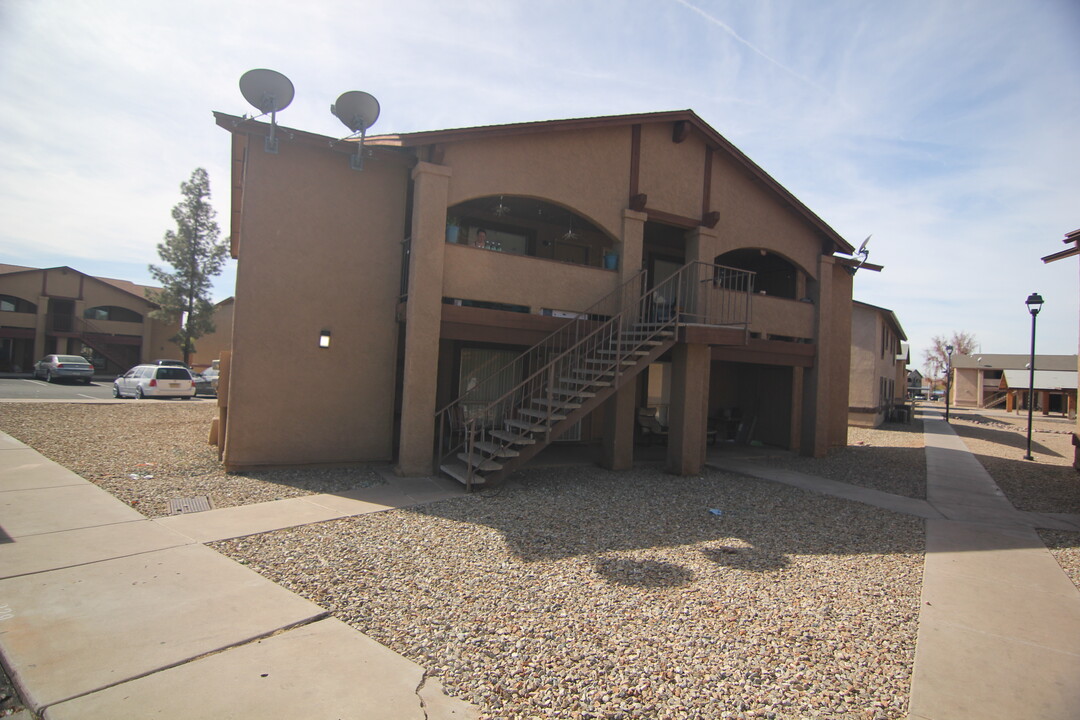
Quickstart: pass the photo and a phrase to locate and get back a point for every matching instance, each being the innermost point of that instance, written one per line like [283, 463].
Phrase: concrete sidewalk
[999, 626]
[106, 614]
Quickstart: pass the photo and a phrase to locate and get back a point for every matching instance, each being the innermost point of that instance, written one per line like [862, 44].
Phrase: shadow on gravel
[738, 522]
[1037, 486]
[1003, 436]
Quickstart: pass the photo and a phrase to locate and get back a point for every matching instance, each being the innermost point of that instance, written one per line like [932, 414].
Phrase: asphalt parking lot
[23, 388]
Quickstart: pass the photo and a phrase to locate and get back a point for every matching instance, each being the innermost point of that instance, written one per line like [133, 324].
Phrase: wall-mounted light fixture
[324, 339]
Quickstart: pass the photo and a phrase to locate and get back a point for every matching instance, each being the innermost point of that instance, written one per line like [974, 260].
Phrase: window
[112, 313]
[10, 303]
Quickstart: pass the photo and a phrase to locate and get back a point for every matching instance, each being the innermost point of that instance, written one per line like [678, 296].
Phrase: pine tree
[196, 255]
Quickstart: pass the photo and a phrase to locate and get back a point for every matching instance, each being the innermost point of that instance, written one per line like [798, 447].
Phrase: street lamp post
[948, 380]
[1034, 305]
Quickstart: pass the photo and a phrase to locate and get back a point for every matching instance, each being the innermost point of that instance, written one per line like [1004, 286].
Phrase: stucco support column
[817, 387]
[701, 246]
[619, 410]
[688, 412]
[797, 380]
[423, 317]
[633, 243]
[39, 327]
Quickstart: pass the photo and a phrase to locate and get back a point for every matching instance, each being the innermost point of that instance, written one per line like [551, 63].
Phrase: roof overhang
[1070, 237]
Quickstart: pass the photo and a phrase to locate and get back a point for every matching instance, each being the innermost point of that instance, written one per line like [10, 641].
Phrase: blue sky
[946, 130]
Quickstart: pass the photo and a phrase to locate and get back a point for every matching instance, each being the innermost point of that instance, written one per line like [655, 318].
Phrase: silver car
[55, 367]
[144, 381]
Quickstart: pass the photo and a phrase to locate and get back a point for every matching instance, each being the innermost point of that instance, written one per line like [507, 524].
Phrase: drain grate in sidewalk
[182, 506]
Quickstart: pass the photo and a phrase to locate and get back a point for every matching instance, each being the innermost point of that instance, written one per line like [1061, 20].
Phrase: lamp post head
[1034, 303]
[948, 349]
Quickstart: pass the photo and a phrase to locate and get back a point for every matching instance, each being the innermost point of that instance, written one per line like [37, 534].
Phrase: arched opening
[775, 275]
[528, 226]
[10, 303]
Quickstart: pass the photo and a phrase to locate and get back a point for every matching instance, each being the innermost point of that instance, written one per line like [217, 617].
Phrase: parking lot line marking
[87, 396]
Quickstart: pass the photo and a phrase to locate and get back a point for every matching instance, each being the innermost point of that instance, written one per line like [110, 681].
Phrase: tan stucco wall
[25, 285]
[672, 173]
[835, 352]
[209, 347]
[585, 170]
[781, 316]
[477, 274]
[865, 340]
[752, 217]
[966, 387]
[320, 251]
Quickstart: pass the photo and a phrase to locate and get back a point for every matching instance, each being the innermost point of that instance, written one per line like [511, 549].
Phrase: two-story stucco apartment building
[61, 310]
[637, 256]
[879, 359]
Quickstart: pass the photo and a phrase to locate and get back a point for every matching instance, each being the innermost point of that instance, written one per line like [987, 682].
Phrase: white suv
[144, 381]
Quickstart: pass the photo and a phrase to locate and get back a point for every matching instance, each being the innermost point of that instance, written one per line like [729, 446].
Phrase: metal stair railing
[598, 360]
[491, 378]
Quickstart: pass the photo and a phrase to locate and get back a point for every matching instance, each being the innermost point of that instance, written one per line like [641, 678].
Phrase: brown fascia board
[1062, 255]
[853, 263]
[250, 126]
[713, 138]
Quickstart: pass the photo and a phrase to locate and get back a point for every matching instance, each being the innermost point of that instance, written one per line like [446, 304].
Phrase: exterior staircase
[578, 367]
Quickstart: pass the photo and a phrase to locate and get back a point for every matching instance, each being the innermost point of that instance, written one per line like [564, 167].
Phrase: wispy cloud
[947, 130]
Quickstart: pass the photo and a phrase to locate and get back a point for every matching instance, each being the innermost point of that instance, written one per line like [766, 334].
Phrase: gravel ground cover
[581, 593]
[575, 592]
[1047, 484]
[890, 458]
[147, 453]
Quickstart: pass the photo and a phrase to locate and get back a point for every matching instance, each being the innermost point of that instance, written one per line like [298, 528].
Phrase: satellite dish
[862, 248]
[269, 91]
[358, 111]
[862, 253]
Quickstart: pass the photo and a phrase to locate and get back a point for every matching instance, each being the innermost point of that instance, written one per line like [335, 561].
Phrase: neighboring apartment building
[879, 360]
[61, 310]
[210, 347]
[668, 264]
[1071, 238]
[915, 382]
[987, 380]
